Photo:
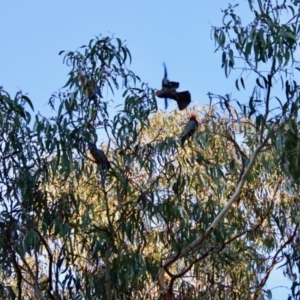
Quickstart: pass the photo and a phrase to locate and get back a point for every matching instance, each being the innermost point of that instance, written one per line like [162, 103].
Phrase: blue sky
[32, 35]
[175, 32]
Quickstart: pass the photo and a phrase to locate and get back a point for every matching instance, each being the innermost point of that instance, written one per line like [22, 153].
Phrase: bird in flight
[168, 91]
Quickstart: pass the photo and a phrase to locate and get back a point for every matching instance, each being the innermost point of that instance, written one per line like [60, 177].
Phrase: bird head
[193, 117]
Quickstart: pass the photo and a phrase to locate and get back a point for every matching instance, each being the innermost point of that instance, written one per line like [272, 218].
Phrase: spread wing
[166, 83]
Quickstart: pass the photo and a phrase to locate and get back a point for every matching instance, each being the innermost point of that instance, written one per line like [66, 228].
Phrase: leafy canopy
[210, 220]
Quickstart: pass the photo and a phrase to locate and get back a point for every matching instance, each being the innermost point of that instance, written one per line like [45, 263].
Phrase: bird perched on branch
[99, 156]
[89, 88]
[183, 99]
[189, 129]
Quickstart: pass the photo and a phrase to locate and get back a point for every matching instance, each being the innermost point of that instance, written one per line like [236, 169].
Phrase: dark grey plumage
[189, 129]
[99, 156]
[168, 91]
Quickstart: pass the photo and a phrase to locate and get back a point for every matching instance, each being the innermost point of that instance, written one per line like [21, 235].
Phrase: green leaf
[124, 54]
[28, 101]
[237, 84]
[119, 43]
[259, 84]
[20, 110]
[259, 121]
[222, 38]
[71, 79]
[290, 36]
[286, 56]
[248, 50]
[242, 81]
[231, 58]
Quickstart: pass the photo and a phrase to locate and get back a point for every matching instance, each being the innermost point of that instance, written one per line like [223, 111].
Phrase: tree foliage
[209, 220]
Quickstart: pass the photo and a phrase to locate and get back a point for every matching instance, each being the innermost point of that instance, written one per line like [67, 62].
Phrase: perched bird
[189, 129]
[183, 99]
[99, 156]
[89, 88]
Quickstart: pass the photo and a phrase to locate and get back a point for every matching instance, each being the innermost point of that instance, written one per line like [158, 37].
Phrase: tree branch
[274, 262]
[194, 245]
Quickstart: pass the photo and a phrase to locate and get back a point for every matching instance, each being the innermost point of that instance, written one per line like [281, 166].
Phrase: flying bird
[189, 129]
[99, 156]
[168, 91]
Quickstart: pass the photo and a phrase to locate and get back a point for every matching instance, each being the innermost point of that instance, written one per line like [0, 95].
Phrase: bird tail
[182, 140]
[183, 99]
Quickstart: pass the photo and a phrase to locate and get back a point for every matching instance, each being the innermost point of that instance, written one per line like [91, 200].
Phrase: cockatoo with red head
[189, 129]
[89, 87]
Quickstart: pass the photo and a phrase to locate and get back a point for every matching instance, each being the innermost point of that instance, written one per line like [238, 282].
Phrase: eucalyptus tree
[205, 220]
